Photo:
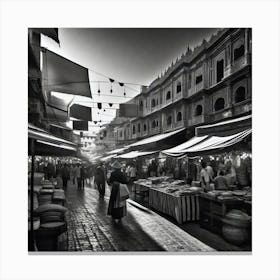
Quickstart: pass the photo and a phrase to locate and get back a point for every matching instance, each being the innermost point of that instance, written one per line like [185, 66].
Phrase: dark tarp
[50, 32]
[80, 125]
[65, 76]
[80, 112]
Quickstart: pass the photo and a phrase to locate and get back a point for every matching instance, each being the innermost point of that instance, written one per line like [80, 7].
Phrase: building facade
[206, 85]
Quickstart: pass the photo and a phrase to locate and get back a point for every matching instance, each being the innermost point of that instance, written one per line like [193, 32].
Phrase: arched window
[141, 105]
[133, 129]
[153, 103]
[179, 116]
[238, 52]
[169, 120]
[219, 104]
[139, 127]
[178, 87]
[240, 95]
[168, 95]
[144, 127]
[198, 110]
[153, 124]
[157, 123]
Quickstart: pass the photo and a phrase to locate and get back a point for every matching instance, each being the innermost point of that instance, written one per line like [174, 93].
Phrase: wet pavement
[90, 229]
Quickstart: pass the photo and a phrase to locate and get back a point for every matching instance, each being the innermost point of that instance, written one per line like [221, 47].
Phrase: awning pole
[32, 193]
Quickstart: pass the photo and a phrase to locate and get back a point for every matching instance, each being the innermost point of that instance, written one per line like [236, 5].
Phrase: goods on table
[172, 197]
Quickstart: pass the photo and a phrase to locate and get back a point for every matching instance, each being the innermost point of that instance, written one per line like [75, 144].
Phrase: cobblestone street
[91, 230]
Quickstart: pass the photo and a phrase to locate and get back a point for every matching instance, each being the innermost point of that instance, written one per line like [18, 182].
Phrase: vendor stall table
[182, 207]
[213, 210]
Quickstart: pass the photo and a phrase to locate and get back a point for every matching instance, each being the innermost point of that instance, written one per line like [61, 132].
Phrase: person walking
[78, 176]
[83, 176]
[100, 179]
[132, 173]
[65, 175]
[117, 206]
[72, 173]
[75, 173]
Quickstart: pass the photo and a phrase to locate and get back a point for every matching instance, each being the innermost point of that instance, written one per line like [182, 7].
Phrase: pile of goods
[238, 195]
[169, 185]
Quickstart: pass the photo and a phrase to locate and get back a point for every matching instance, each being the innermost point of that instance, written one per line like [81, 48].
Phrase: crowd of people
[219, 175]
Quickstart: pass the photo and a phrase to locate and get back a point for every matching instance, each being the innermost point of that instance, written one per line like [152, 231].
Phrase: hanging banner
[80, 125]
[63, 75]
[128, 110]
[80, 112]
[50, 32]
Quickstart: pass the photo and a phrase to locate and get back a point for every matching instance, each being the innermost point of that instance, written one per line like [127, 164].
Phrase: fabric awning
[206, 144]
[135, 154]
[108, 157]
[117, 151]
[225, 128]
[63, 75]
[48, 144]
[80, 125]
[155, 138]
[80, 112]
[179, 150]
[50, 32]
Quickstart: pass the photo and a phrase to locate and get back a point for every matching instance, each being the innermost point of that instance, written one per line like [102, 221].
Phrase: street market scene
[139, 140]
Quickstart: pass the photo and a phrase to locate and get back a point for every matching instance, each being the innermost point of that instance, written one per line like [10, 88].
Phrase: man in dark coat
[100, 179]
[65, 175]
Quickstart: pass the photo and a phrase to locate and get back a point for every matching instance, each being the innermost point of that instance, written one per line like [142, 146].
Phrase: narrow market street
[91, 230]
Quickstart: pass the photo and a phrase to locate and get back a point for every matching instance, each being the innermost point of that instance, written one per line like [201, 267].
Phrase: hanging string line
[89, 81]
[43, 49]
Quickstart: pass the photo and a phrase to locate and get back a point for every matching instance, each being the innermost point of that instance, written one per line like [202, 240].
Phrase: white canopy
[178, 150]
[227, 122]
[207, 143]
[217, 142]
[117, 151]
[135, 154]
[108, 157]
[155, 138]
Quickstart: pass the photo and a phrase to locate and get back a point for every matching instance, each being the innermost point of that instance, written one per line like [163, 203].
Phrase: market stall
[225, 149]
[45, 201]
[171, 197]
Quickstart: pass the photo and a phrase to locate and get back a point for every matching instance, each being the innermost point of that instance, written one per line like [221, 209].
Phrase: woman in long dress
[117, 208]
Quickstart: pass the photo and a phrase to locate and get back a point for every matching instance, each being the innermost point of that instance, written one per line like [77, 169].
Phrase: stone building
[206, 85]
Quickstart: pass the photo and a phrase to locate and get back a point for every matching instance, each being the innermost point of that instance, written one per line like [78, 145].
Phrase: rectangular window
[239, 52]
[220, 70]
[198, 79]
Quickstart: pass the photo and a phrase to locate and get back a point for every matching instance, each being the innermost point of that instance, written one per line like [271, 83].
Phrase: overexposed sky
[130, 55]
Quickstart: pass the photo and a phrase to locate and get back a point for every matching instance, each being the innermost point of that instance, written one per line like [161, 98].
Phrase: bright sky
[134, 56]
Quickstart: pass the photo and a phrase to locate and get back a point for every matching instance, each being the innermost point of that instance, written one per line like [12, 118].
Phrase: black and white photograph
[139, 140]
[148, 148]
